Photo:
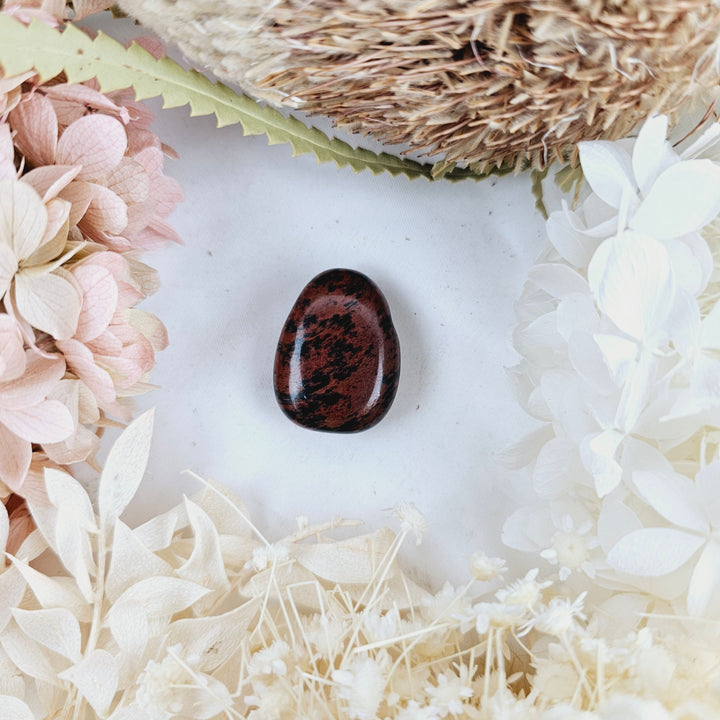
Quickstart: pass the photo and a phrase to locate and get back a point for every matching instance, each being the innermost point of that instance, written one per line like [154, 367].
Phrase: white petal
[558, 279]
[57, 629]
[704, 589]
[557, 468]
[528, 529]
[124, 468]
[11, 708]
[673, 496]
[636, 392]
[648, 152]
[598, 456]
[608, 170]
[576, 313]
[588, 361]
[614, 522]
[49, 302]
[23, 218]
[570, 243]
[631, 278]
[522, 453]
[619, 355]
[651, 552]
[685, 198]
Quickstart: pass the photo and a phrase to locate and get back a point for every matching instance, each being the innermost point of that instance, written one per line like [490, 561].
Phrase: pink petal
[83, 8]
[107, 213]
[97, 142]
[151, 44]
[100, 297]
[106, 344]
[12, 355]
[150, 326]
[41, 375]
[81, 361]
[77, 448]
[139, 217]
[114, 243]
[36, 129]
[49, 421]
[79, 194]
[7, 153]
[130, 181]
[85, 97]
[49, 180]
[15, 457]
[155, 236]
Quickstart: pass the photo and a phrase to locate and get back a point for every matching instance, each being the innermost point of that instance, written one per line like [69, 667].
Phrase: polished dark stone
[337, 363]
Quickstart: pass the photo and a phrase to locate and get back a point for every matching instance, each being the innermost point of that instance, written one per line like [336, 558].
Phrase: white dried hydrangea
[619, 328]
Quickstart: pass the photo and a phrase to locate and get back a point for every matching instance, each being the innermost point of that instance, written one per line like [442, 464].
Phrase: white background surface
[450, 259]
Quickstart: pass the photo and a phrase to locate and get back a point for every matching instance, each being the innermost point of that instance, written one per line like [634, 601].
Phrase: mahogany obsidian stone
[337, 363]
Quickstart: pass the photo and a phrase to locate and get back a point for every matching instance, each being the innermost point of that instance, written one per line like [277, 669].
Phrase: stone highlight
[337, 363]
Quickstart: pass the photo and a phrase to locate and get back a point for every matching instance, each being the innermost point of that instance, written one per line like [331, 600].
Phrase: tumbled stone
[337, 363]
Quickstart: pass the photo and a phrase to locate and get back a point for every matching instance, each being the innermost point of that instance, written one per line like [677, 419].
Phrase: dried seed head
[485, 82]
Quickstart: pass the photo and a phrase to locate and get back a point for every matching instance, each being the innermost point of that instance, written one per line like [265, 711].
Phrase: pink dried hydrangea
[82, 192]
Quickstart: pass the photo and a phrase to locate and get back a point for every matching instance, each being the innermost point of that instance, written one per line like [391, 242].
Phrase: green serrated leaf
[50, 52]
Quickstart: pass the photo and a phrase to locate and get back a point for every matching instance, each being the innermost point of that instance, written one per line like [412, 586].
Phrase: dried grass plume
[487, 82]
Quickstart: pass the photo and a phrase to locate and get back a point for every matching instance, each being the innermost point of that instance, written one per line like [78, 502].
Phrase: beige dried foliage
[487, 82]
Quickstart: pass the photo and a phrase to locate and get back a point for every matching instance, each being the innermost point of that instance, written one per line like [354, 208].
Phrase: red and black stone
[337, 363]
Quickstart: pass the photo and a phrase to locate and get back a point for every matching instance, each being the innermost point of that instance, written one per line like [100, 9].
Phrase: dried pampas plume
[486, 82]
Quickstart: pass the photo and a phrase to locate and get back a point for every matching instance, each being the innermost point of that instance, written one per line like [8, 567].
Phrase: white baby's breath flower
[498, 615]
[270, 660]
[411, 520]
[450, 692]
[525, 592]
[415, 711]
[486, 568]
[560, 615]
[361, 686]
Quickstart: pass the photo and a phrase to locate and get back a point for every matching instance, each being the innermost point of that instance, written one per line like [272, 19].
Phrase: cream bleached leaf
[4, 526]
[128, 624]
[685, 198]
[65, 493]
[74, 549]
[12, 590]
[12, 708]
[608, 169]
[346, 561]
[96, 678]
[54, 592]
[57, 629]
[130, 562]
[124, 468]
[652, 552]
[28, 656]
[213, 639]
[205, 565]
[162, 597]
